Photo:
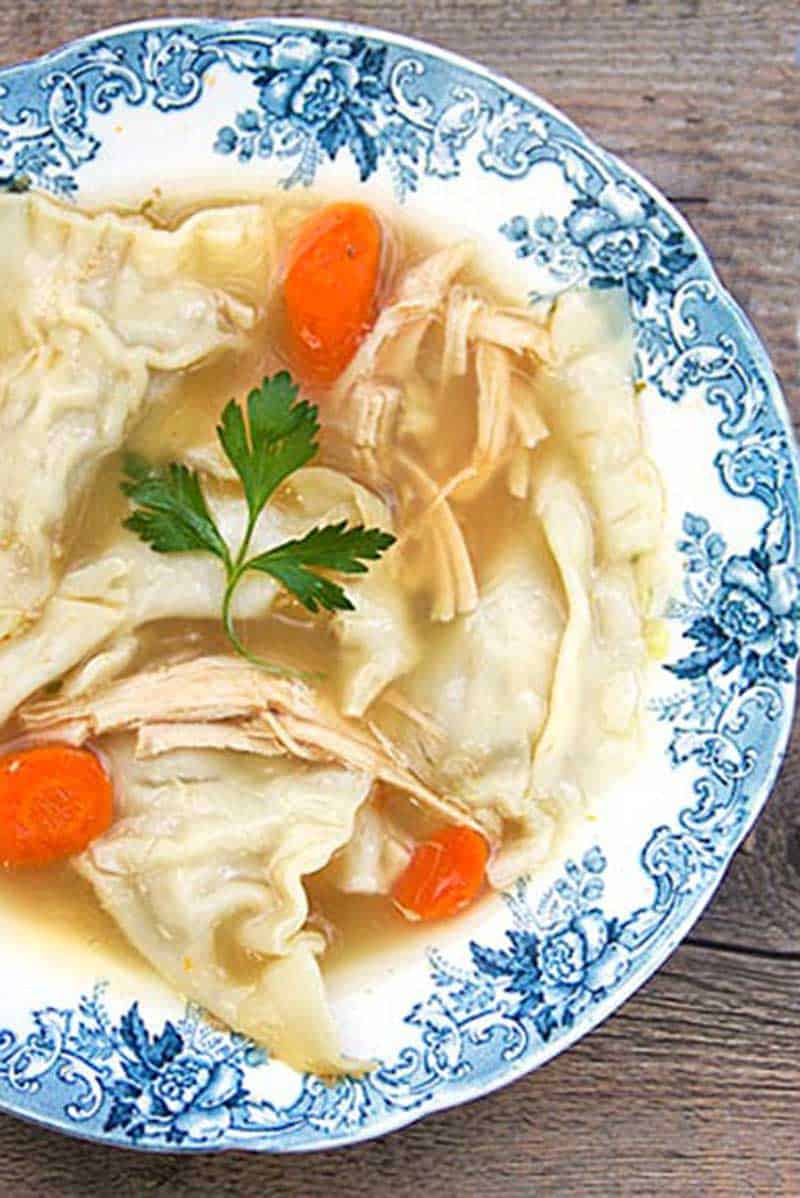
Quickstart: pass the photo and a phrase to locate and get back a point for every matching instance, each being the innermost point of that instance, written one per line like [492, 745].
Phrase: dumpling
[98, 606]
[97, 316]
[129, 586]
[621, 658]
[567, 525]
[470, 319]
[191, 585]
[592, 724]
[203, 870]
[236, 786]
[89, 607]
[483, 687]
[377, 639]
[374, 857]
[588, 397]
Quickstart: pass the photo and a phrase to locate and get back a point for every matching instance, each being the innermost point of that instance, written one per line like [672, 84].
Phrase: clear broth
[55, 900]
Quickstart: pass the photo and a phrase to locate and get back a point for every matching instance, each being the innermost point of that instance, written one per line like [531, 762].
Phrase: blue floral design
[309, 82]
[614, 236]
[542, 240]
[315, 96]
[753, 624]
[627, 241]
[186, 1086]
[558, 973]
[559, 961]
[741, 613]
[742, 609]
[169, 1088]
[47, 142]
[181, 1086]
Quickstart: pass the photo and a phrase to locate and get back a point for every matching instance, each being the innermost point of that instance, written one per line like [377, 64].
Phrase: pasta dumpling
[128, 587]
[203, 871]
[483, 689]
[588, 395]
[97, 318]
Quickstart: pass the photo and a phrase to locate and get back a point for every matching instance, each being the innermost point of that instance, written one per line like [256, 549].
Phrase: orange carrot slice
[444, 874]
[330, 289]
[54, 800]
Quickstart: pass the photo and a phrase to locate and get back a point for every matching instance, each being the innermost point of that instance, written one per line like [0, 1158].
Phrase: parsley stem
[265, 443]
[235, 570]
[235, 575]
[238, 565]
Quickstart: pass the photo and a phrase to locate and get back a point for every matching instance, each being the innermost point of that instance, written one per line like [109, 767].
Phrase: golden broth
[59, 905]
[55, 900]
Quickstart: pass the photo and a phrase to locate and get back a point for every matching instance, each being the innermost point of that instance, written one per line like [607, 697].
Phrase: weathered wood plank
[693, 1087]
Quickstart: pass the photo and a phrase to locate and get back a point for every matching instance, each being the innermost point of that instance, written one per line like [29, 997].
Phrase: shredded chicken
[205, 689]
[223, 702]
[520, 474]
[469, 320]
[419, 296]
[455, 590]
[509, 425]
[463, 307]
[517, 329]
[370, 415]
[531, 430]
[525, 413]
[153, 740]
[399, 354]
[495, 430]
[494, 411]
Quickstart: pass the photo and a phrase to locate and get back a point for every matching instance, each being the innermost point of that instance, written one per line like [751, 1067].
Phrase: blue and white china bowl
[93, 1048]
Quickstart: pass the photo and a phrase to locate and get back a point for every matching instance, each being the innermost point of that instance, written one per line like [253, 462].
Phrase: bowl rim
[511, 1071]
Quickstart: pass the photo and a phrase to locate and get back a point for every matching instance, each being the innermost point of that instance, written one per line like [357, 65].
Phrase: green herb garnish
[277, 437]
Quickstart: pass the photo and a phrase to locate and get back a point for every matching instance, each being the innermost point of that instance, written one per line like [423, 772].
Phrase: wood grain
[693, 1088]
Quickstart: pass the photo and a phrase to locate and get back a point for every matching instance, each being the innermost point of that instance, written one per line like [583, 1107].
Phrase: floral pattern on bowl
[295, 103]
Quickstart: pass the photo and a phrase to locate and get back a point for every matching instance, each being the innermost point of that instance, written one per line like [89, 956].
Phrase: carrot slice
[444, 874]
[54, 800]
[330, 289]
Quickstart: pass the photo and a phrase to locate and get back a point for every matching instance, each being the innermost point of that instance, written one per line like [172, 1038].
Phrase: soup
[324, 581]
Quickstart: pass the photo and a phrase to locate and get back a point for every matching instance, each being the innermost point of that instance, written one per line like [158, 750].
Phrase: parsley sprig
[277, 436]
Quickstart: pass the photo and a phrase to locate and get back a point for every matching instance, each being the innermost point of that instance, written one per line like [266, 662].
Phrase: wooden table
[694, 1087]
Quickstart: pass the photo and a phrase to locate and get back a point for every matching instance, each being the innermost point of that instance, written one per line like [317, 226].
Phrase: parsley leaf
[282, 438]
[333, 547]
[172, 516]
[277, 437]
